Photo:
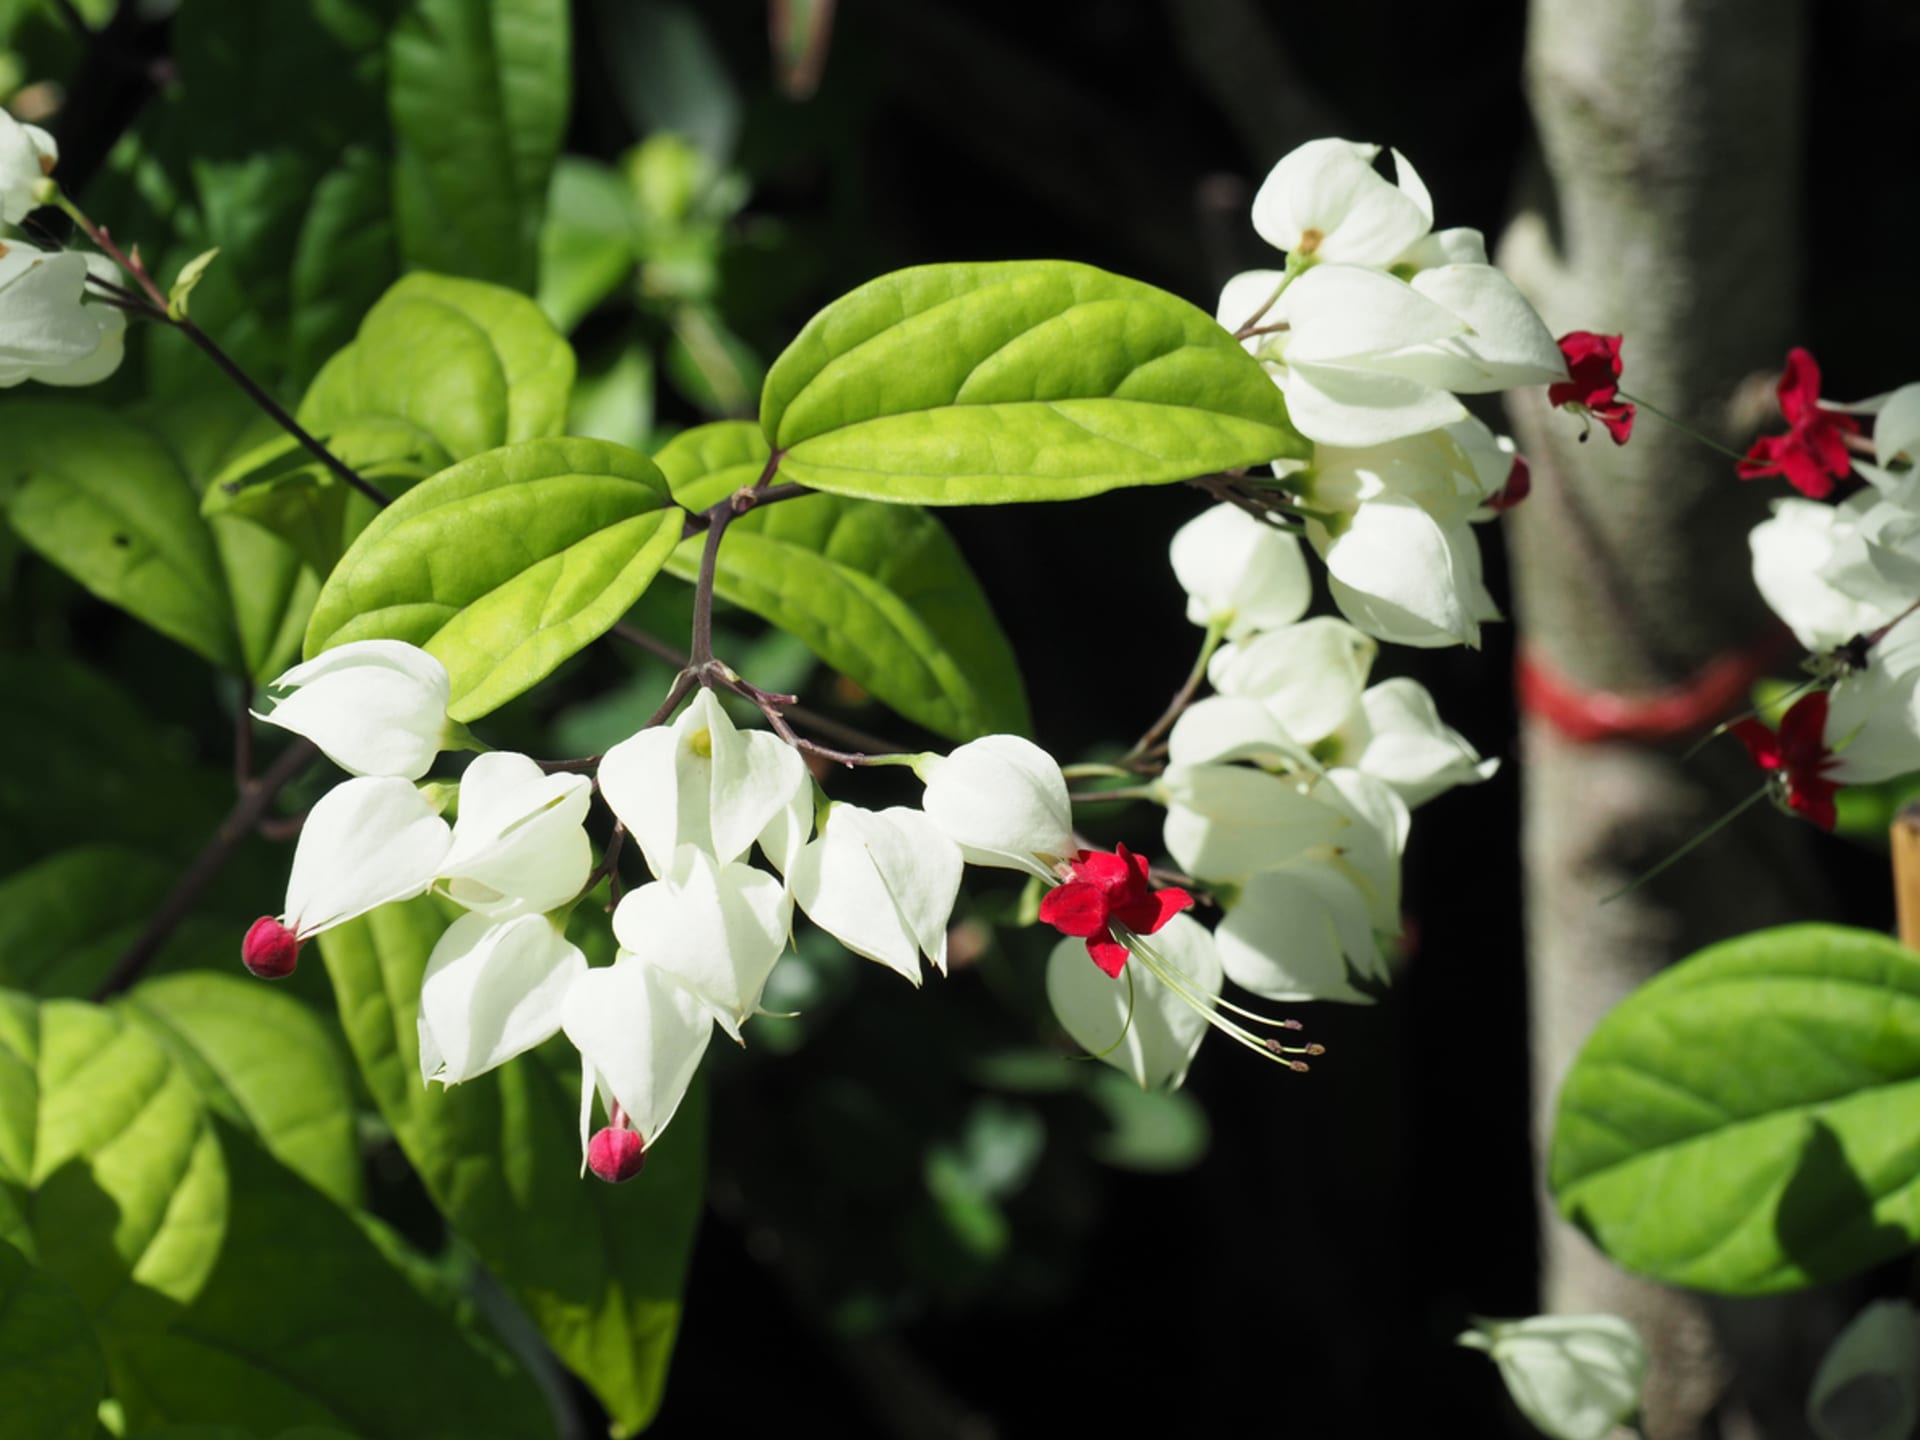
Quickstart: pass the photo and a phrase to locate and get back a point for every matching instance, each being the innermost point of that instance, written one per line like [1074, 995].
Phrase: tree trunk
[1665, 211]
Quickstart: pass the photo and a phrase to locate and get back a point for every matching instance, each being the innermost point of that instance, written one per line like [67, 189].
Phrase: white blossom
[882, 883]
[1868, 1385]
[1239, 572]
[641, 1035]
[368, 841]
[374, 707]
[1574, 1376]
[701, 781]
[27, 155]
[519, 842]
[1003, 801]
[48, 331]
[718, 929]
[492, 990]
[1134, 1021]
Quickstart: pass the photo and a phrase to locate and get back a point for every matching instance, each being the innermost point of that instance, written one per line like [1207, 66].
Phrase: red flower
[1813, 453]
[1593, 365]
[1104, 889]
[1798, 755]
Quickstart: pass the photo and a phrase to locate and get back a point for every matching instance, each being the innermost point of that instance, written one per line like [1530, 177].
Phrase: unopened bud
[45, 190]
[1519, 485]
[616, 1154]
[270, 950]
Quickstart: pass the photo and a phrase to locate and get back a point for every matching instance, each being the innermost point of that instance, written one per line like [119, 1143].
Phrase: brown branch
[247, 812]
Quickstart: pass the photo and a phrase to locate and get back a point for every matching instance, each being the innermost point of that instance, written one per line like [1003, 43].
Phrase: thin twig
[132, 264]
[340, 470]
[247, 812]
[1181, 698]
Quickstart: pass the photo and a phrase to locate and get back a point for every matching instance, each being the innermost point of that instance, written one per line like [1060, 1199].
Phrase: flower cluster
[1845, 578]
[1373, 330]
[49, 330]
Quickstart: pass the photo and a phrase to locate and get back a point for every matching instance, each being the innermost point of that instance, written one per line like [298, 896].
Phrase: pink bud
[616, 1154]
[270, 950]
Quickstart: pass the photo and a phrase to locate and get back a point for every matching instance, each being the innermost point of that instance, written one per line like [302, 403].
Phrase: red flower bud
[270, 950]
[1519, 485]
[616, 1153]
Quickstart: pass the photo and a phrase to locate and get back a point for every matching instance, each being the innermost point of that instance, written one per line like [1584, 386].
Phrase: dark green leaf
[879, 592]
[598, 1267]
[101, 768]
[64, 921]
[1023, 380]
[479, 92]
[590, 523]
[587, 246]
[1745, 1122]
[51, 1372]
[103, 499]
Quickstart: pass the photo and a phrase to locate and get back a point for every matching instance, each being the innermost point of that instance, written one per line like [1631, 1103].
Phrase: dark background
[1292, 1251]
[1309, 1274]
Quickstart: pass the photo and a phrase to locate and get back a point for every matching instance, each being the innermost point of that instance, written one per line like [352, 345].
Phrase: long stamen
[1182, 989]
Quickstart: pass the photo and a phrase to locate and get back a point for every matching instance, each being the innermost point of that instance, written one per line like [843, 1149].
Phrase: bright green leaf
[464, 365]
[106, 1136]
[599, 1268]
[222, 1288]
[1744, 1122]
[65, 920]
[188, 277]
[51, 1372]
[591, 524]
[479, 92]
[1023, 380]
[264, 1061]
[879, 592]
[103, 500]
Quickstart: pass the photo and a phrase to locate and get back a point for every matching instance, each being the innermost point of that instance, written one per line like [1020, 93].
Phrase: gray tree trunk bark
[1665, 210]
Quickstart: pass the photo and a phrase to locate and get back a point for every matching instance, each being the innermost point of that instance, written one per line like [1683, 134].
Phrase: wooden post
[1906, 873]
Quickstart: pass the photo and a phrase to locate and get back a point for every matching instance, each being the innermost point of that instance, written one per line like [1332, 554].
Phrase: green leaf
[599, 1268]
[591, 524]
[103, 500]
[272, 589]
[1023, 380]
[263, 1061]
[184, 282]
[464, 366]
[64, 921]
[50, 1367]
[1744, 1122]
[304, 1321]
[879, 592]
[104, 1144]
[222, 1288]
[479, 92]
[587, 246]
[102, 768]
